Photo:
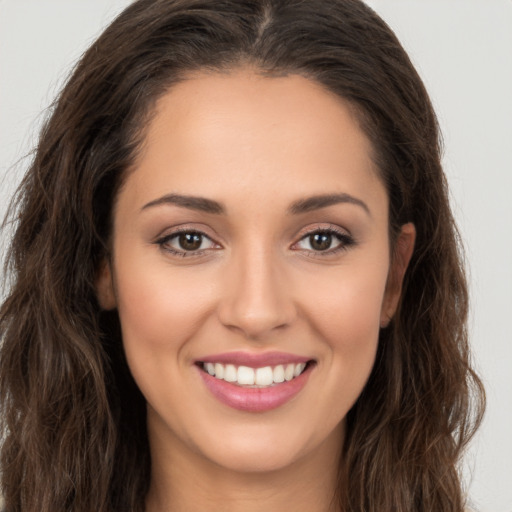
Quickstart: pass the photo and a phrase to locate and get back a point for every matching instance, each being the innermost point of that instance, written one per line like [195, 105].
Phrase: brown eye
[190, 241]
[187, 243]
[320, 241]
[327, 241]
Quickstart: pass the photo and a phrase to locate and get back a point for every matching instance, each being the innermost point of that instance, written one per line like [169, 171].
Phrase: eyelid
[322, 226]
[168, 234]
[345, 237]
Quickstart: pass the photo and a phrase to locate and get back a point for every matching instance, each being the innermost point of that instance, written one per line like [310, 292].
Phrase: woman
[236, 277]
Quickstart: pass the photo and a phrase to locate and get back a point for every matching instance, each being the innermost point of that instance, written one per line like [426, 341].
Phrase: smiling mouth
[263, 377]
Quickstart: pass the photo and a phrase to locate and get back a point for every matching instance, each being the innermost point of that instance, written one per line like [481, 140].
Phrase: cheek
[347, 303]
[160, 311]
[345, 312]
[159, 308]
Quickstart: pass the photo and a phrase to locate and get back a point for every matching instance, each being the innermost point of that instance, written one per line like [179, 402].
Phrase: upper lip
[253, 360]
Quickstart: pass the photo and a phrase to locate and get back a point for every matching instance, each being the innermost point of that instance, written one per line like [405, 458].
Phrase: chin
[266, 450]
[256, 459]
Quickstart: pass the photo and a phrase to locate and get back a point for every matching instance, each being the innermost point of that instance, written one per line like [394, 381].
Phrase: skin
[257, 146]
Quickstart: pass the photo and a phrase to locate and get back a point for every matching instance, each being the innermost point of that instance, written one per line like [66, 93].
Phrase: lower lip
[255, 399]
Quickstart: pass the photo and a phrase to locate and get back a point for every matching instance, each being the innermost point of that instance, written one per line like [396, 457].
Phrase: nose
[257, 298]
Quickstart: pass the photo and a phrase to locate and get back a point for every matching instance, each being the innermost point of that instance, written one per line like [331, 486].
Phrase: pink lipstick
[255, 382]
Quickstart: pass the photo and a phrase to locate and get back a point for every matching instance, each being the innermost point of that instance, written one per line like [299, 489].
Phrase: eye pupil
[320, 241]
[190, 241]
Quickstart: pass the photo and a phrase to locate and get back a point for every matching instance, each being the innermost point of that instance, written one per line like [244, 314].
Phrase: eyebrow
[305, 205]
[309, 204]
[200, 204]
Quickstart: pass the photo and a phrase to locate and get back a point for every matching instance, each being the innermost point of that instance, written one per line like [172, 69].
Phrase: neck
[184, 481]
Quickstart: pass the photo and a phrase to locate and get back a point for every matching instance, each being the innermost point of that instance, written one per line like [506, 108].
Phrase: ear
[105, 286]
[402, 253]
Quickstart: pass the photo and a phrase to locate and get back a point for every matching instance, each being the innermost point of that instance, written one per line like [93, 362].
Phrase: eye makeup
[187, 242]
[320, 241]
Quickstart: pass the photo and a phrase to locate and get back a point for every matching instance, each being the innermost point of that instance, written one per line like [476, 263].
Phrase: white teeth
[219, 371]
[289, 371]
[278, 374]
[299, 369]
[255, 377]
[245, 375]
[230, 373]
[264, 376]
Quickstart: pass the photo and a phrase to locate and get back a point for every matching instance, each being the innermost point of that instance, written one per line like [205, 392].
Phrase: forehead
[242, 132]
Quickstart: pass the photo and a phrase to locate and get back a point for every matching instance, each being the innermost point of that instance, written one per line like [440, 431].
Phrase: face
[251, 269]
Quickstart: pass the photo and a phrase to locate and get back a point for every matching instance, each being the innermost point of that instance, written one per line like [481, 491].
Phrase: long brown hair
[73, 420]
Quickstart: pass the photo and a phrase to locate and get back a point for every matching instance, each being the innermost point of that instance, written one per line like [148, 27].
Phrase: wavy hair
[72, 418]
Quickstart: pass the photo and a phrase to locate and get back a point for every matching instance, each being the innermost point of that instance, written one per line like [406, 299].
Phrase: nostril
[257, 302]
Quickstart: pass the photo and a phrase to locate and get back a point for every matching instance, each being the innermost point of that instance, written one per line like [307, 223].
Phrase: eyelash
[345, 242]
[163, 242]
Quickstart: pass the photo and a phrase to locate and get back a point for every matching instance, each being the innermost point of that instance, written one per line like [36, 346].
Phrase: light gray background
[463, 50]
